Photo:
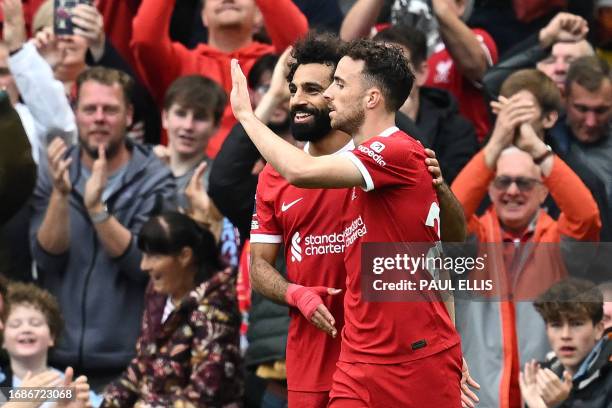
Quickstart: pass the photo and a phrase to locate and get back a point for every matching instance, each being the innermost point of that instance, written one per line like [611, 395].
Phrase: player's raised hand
[239, 98]
[308, 300]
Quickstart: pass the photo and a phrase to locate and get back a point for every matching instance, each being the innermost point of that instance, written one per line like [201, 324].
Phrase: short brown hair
[571, 299]
[588, 72]
[199, 93]
[538, 84]
[40, 299]
[109, 77]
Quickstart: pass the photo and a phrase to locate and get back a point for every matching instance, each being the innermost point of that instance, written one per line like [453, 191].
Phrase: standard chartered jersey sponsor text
[312, 245]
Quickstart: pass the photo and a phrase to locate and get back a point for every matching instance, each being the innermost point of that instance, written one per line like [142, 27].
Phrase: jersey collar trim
[389, 131]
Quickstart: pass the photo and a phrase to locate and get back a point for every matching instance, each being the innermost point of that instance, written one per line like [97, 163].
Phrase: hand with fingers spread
[239, 97]
[96, 183]
[48, 47]
[468, 398]
[564, 27]
[13, 30]
[552, 389]
[308, 301]
[89, 24]
[434, 167]
[58, 166]
[529, 385]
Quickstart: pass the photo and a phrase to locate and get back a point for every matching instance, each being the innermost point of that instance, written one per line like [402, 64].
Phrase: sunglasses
[524, 184]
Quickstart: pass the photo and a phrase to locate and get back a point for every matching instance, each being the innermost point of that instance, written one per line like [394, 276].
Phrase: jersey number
[433, 218]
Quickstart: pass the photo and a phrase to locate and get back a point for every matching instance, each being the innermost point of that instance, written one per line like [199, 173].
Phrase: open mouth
[567, 351]
[301, 117]
[26, 341]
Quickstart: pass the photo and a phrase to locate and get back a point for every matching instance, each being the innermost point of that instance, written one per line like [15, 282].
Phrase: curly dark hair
[385, 67]
[40, 299]
[315, 48]
[571, 299]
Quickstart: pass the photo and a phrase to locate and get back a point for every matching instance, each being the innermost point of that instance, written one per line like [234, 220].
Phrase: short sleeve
[388, 161]
[488, 45]
[265, 228]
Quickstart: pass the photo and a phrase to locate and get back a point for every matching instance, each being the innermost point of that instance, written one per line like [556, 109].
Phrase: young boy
[32, 323]
[579, 372]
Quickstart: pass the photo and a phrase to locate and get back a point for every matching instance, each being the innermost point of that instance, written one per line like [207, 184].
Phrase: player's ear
[373, 98]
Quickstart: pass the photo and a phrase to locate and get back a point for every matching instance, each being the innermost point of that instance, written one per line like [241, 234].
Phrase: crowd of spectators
[126, 118]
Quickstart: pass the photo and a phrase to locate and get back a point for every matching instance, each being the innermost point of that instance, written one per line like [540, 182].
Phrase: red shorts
[304, 399]
[432, 381]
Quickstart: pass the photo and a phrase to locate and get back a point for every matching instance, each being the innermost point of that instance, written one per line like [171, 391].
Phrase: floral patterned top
[192, 359]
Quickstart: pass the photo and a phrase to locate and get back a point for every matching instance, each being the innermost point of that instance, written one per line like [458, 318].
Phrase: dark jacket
[525, 54]
[560, 139]
[101, 298]
[445, 131]
[17, 169]
[190, 360]
[592, 389]
[232, 187]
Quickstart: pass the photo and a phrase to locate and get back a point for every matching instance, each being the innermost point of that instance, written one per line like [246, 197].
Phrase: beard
[349, 122]
[111, 149]
[314, 130]
[280, 128]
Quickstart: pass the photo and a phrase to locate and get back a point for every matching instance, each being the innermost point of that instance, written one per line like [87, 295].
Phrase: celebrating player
[387, 342]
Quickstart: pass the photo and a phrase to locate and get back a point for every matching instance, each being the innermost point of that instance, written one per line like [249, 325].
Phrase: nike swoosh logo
[291, 204]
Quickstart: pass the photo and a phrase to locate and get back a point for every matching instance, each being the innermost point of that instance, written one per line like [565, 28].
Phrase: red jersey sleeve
[488, 45]
[265, 228]
[391, 159]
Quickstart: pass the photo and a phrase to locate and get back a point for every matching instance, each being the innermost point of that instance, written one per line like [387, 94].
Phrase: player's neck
[330, 144]
[374, 124]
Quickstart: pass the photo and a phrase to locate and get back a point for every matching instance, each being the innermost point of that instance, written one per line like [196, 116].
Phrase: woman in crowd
[188, 352]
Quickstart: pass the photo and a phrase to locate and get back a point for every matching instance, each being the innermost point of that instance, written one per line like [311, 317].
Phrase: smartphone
[62, 15]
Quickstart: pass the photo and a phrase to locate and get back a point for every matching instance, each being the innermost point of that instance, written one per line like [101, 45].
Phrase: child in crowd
[32, 323]
[578, 372]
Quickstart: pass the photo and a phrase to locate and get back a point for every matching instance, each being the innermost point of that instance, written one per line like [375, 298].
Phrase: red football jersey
[396, 206]
[443, 73]
[309, 223]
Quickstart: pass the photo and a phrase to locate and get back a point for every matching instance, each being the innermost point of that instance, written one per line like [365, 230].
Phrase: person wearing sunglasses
[517, 170]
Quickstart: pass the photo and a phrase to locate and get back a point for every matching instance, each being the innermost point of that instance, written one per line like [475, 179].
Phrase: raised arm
[284, 22]
[579, 217]
[296, 166]
[360, 19]
[158, 59]
[41, 92]
[468, 52]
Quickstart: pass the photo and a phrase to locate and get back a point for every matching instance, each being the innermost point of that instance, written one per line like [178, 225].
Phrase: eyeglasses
[524, 184]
